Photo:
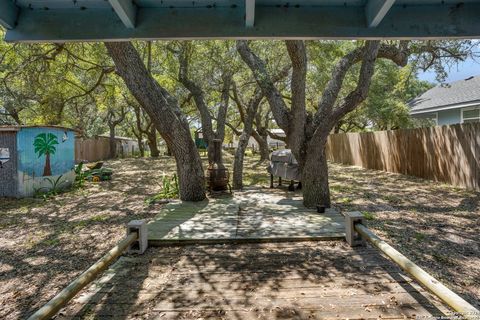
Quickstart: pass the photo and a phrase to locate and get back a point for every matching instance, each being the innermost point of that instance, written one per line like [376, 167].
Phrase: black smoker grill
[284, 166]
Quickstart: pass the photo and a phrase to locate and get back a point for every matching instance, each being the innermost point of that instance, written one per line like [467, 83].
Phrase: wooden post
[437, 288]
[54, 305]
[271, 181]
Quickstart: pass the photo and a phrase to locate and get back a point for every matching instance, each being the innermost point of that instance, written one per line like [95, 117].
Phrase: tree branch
[264, 81]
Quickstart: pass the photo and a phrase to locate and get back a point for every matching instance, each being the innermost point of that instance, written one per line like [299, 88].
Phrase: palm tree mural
[44, 144]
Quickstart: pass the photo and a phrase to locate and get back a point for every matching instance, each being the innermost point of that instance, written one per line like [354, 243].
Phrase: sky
[462, 71]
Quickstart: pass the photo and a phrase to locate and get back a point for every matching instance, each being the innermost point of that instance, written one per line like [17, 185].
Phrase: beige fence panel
[92, 149]
[448, 154]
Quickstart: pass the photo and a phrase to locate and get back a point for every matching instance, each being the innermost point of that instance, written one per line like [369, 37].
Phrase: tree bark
[244, 137]
[307, 134]
[198, 94]
[262, 141]
[152, 142]
[112, 142]
[141, 148]
[164, 111]
[315, 186]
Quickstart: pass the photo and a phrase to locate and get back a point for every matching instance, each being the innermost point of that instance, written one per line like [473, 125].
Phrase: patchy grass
[419, 236]
[368, 215]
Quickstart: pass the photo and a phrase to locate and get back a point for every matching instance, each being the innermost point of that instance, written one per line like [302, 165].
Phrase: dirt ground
[46, 244]
[433, 224]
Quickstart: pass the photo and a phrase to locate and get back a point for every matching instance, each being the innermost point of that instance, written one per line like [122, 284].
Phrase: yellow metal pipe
[449, 297]
[54, 305]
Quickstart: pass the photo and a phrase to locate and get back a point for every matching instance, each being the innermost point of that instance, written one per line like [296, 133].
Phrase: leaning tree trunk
[315, 176]
[169, 120]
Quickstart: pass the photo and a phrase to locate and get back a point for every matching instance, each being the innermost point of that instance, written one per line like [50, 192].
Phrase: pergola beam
[126, 11]
[249, 13]
[401, 22]
[8, 14]
[376, 10]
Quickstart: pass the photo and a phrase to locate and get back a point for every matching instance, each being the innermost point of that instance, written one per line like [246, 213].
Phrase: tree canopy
[227, 89]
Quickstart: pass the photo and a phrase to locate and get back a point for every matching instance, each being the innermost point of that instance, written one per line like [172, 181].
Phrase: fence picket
[448, 154]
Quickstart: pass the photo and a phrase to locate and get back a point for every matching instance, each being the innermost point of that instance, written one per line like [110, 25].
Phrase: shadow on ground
[256, 281]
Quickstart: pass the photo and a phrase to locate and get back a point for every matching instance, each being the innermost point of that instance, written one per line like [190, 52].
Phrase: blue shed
[35, 158]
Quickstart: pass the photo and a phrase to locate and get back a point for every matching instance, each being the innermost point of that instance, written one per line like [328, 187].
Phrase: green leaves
[45, 143]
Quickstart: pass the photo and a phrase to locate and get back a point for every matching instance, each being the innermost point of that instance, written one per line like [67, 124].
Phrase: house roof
[452, 95]
[18, 127]
[100, 20]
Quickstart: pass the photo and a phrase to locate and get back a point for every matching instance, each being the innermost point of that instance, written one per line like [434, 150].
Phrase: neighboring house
[456, 102]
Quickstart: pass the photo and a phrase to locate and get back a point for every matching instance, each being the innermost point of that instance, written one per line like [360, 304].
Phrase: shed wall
[36, 170]
[8, 167]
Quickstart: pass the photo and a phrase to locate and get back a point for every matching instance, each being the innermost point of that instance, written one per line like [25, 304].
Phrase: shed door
[8, 166]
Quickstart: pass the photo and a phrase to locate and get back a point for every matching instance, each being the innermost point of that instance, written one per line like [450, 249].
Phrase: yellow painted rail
[54, 305]
[449, 297]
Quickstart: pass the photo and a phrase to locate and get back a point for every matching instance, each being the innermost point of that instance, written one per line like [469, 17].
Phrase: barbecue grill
[284, 166]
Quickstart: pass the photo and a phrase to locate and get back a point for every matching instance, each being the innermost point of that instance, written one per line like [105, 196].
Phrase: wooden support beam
[401, 22]
[376, 10]
[8, 14]
[249, 13]
[126, 11]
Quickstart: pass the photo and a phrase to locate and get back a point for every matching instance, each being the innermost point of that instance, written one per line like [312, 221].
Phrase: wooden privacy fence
[448, 153]
[98, 148]
[92, 149]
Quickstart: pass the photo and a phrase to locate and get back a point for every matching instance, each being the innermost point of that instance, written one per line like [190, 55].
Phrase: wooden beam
[8, 14]
[249, 13]
[64, 296]
[126, 11]
[453, 300]
[402, 22]
[376, 10]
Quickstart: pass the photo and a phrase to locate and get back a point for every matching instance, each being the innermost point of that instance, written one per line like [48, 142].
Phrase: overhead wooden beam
[249, 13]
[376, 10]
[8, 14]
[126, 11]
[402, 22]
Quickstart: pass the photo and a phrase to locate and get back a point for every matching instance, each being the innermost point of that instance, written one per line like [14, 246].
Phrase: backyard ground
[45, 244]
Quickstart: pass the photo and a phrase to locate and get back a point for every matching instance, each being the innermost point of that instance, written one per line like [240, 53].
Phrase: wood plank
[8, 14]
[260, 281]
[254, 215]
[228, 22]
[447, 153]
